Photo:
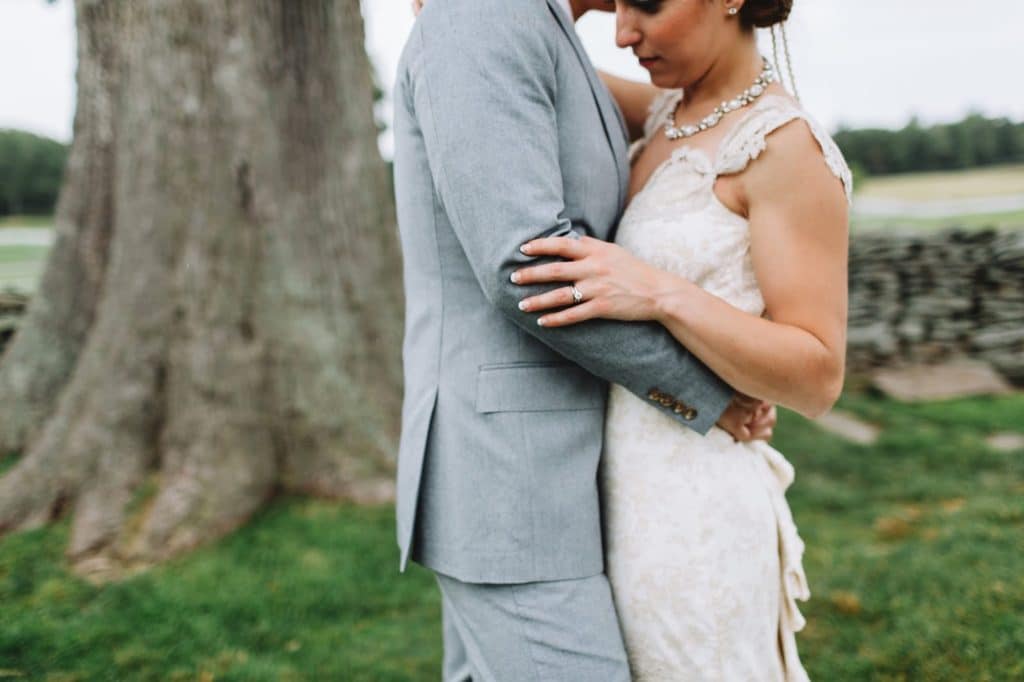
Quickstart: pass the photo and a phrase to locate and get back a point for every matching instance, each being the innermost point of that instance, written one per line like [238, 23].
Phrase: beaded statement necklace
[745, 98]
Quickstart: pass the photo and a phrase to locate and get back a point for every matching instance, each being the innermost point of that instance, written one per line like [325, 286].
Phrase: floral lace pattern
[702, 552]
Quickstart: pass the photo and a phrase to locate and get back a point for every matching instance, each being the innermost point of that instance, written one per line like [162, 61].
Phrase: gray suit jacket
[503, 132]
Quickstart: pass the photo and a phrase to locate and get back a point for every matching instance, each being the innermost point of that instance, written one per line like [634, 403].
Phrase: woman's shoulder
[797, 139]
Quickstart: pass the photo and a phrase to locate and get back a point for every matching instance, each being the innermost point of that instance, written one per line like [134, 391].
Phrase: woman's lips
[646, 62]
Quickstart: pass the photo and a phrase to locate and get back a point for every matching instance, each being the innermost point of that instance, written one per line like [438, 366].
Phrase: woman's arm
[799, 247]
[634, 99]
[798, 223]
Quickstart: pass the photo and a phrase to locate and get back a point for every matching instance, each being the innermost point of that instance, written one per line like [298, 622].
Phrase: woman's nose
[626, 33]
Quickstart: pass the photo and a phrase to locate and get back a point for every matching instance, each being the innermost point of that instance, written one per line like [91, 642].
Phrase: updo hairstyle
[765, 13]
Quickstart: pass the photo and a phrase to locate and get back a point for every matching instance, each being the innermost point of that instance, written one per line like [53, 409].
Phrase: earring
[733, 11]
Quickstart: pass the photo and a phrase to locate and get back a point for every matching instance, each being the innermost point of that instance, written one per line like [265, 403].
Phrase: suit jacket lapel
[611, 117]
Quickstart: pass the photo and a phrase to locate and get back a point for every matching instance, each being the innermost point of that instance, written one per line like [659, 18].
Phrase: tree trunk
[235, 289]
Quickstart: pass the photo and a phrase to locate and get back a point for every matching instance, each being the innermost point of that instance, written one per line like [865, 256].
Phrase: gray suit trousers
[551, 631]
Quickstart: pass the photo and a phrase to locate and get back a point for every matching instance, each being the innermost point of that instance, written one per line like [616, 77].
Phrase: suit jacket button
[690, 414]
[654, 394]
[666, 401]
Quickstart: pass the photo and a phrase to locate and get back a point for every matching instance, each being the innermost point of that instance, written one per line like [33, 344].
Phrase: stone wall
[914, 298]
[921, 298]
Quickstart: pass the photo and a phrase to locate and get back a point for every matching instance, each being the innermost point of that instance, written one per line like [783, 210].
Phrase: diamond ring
[577, 295]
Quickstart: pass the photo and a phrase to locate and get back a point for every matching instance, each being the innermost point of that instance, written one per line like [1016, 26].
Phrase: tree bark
[244, 331]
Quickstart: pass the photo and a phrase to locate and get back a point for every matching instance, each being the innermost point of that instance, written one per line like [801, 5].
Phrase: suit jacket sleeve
[481, 81]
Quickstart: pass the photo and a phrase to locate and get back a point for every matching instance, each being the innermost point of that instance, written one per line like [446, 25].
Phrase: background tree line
[970, 143]
[30, 172]
[31, 166]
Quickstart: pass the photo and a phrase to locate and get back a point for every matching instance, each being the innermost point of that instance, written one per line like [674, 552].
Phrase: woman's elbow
[825, 390]
[825, 399]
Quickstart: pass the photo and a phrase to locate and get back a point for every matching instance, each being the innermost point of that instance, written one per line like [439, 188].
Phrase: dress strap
[656, 112]
[748, 139]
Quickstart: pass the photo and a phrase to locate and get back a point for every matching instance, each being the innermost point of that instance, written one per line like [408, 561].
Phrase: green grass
[22, 266]
[965, 184]
[21, 254]
[26, 221]
[1011, 220]
[308, 591]
[915, 556]
[915, 546]
[946, 185]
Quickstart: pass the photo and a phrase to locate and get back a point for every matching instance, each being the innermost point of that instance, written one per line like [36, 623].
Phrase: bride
[734, 239]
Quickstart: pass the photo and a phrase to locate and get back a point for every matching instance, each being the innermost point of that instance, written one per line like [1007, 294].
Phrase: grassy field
[915, 556]
[977, 182]
[21, 266]
[943, 186]
[26, 221]
[307, 591]
[1013, 220]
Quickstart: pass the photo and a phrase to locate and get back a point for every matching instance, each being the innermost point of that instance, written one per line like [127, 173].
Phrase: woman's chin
[660, 76]
[664, 81]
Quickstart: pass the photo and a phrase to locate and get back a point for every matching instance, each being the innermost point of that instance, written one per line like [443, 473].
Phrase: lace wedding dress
[702, 553]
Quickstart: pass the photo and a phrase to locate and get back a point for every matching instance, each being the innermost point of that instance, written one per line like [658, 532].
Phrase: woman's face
[677, 41]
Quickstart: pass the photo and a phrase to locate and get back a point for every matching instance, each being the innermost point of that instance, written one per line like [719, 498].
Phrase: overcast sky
[858, 62]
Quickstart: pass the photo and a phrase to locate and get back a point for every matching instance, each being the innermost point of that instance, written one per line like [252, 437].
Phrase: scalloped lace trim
[748, 138]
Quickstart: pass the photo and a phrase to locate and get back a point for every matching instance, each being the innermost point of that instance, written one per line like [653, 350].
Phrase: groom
[504, 133]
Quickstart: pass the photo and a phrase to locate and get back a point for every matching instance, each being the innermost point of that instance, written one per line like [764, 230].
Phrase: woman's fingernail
[525, 248]
[523, 305]
[515, 278]
[540, 321]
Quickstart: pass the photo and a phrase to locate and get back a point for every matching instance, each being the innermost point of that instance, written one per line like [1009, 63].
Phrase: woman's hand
[747, 419]
[614, 284]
